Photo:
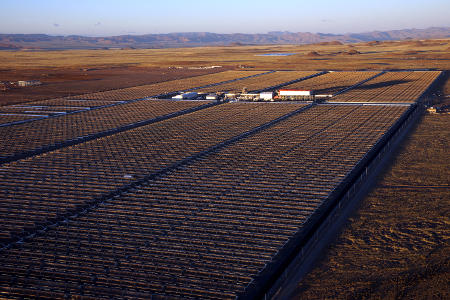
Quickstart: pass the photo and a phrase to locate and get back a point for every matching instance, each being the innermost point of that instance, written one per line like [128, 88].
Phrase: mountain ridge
[195, 39]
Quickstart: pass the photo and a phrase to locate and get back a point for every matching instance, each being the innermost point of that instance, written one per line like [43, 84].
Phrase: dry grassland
[73, 72]
[413, 54]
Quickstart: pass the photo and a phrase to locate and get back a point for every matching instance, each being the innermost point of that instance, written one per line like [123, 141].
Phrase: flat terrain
[75, 72]
[397, 245]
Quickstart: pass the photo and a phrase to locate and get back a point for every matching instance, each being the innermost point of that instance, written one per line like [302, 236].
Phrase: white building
[295, 93]
[211, 97]
[266, 96]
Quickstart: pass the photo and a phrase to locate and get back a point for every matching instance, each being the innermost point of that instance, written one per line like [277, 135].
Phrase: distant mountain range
[194, 39]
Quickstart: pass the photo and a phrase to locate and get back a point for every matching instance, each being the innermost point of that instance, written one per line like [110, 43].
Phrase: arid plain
[73, 72]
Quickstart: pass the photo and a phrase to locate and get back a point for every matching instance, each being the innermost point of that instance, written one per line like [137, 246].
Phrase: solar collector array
[391, 87]
[259, 82]
[205, 229]
[38, 134]
[47, 186]
[331, 83]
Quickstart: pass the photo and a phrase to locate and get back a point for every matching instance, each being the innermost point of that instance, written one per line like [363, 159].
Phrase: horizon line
[197, 32]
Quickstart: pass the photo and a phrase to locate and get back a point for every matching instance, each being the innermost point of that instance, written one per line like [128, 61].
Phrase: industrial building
[296, 94]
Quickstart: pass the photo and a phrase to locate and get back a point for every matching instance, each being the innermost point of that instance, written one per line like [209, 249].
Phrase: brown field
[74, 72]
[396, 246]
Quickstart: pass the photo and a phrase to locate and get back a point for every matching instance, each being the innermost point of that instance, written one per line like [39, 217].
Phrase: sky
[114, 17]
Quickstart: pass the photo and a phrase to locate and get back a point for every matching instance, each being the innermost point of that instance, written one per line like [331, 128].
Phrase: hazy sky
[114, 17]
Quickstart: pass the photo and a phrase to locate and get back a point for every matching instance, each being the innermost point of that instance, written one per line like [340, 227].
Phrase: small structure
[2, 86]
[296, 94]
[432, 110]
[186, 96]
[23, 83]
[266, 96]
[441, 109]
[211, 97]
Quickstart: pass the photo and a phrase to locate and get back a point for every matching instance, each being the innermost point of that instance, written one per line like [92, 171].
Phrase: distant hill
[194, 39]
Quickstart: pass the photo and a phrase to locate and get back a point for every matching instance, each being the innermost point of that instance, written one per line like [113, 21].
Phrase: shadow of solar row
[391, 87]
[35, 192]
[37, 135]
[208, 229]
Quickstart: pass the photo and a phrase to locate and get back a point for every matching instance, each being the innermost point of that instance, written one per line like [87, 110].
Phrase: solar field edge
[265, 284]
[437, 81]
[339, 213]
